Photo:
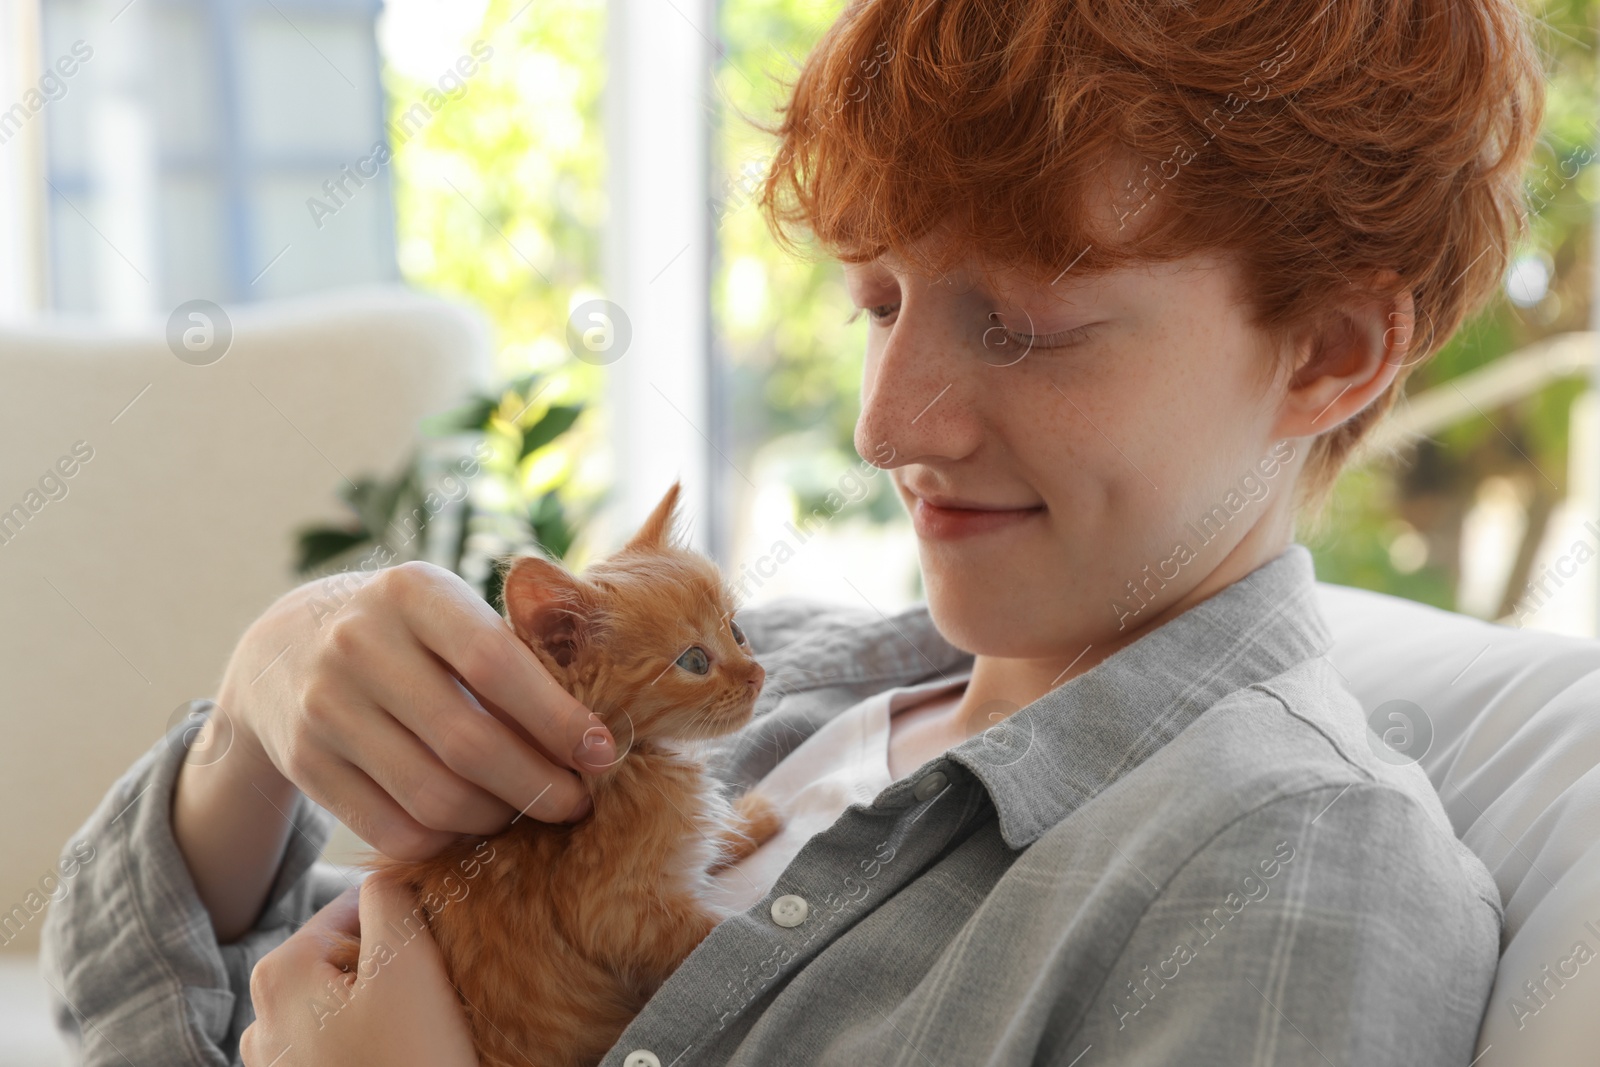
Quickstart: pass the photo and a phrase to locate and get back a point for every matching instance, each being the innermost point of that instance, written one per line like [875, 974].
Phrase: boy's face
[1042, 479]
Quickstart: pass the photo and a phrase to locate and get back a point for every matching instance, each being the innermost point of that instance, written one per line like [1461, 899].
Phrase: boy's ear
[657, 529]
[549, 607]
[1352, 361]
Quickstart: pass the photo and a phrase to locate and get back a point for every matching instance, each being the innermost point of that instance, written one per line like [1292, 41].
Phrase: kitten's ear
[657, 529]
[549, 607]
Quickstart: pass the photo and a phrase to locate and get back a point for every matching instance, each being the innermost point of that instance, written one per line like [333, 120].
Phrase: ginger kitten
[556, 935]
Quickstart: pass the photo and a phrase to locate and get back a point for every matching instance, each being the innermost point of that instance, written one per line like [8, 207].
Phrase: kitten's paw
[756, 821]
[760, 817]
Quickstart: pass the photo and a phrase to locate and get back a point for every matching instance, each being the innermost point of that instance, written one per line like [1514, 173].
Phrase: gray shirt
[1189, 854]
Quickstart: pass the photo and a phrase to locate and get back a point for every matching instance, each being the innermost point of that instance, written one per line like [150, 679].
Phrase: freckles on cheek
[1115, 423]
[1101, 435]
[1182, 392]
[1070, 465]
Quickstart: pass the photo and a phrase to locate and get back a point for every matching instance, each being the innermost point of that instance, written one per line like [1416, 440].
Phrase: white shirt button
[929, 785]
[790, 910]
[642, 1057]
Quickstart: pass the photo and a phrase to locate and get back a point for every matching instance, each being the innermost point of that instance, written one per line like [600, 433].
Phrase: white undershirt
[845, 762]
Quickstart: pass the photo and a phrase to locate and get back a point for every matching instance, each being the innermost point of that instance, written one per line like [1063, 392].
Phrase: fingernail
[596, 749]
[585, 806]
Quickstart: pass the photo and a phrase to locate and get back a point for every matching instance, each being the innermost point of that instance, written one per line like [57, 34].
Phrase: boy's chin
[984, 621]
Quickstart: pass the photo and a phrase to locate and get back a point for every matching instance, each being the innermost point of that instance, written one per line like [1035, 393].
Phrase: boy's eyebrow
[955, 275]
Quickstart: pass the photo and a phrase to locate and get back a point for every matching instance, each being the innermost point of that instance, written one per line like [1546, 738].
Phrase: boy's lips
[943, 518]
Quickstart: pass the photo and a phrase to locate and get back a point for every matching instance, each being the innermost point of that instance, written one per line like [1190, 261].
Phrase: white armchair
[127, 583]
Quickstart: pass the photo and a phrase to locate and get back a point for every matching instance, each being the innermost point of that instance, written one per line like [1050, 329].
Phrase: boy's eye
[1004, 340]
[1063, 339]
[876, 312]
[695, 661]
[738, 634]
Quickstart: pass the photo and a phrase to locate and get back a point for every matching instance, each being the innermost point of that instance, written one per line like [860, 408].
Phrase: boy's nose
[916, 404]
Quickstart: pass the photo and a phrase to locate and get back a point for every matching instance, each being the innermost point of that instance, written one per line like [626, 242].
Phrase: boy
[1140, 277]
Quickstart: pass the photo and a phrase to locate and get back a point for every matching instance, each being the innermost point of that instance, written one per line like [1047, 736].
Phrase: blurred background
[575, 180]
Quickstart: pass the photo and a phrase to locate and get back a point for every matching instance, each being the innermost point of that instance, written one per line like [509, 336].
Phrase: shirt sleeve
[128, 950]
[1336, 926]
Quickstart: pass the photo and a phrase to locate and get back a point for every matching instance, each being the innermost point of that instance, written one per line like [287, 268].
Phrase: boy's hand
[398, 700]
[367, 711]
[399, 1007]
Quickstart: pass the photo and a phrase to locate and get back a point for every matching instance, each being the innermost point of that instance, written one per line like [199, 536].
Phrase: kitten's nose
[758, 675]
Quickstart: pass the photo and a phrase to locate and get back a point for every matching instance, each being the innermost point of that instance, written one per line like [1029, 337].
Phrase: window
[221, 149]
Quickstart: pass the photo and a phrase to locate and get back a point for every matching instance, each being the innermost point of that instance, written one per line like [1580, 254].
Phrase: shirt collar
[1050, 757]
[1043, 761]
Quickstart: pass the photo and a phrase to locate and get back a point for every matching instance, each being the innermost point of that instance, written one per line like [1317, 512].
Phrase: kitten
[556, 935]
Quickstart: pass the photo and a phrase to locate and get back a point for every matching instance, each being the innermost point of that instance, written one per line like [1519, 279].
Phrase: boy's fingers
[396, 933]
[478, 644]
[418, 1005]
[341, 915]
[385, 906]
[302, 961]
[476, 758]
[402, 760]
[363, 805]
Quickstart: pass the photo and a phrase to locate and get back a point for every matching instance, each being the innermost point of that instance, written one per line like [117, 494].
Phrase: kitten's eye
[695, 661]
[738, 634]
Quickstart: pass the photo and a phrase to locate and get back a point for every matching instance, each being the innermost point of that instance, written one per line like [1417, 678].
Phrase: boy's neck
[1019, 682]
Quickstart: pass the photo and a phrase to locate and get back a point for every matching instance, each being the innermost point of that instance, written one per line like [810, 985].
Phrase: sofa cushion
[1506, 722]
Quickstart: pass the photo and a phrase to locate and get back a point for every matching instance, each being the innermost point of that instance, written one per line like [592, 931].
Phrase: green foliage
[391, 518]
[376, 504]
[1355, 549]
[318, 545]
[555, 422]
[547, 520]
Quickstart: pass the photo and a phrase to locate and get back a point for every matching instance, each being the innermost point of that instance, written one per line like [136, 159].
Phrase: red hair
[1322, 147]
